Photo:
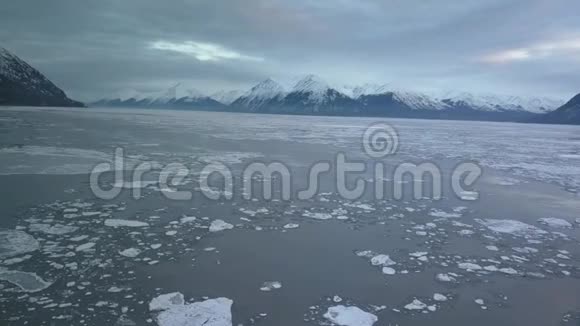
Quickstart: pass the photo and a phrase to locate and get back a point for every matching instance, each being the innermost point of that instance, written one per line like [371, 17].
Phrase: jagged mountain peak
[268, 85]
[311, 84]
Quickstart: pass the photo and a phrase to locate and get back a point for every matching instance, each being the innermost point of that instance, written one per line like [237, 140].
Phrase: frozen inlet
[212, 312]
[14, 243]
[349, 316]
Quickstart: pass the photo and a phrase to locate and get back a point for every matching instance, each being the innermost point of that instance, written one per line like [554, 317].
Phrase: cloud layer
[92, 48]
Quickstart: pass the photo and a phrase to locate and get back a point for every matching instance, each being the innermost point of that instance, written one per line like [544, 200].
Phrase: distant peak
[268, 84]
[311, 83]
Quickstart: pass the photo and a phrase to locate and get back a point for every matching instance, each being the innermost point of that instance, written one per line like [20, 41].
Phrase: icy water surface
[510, 257]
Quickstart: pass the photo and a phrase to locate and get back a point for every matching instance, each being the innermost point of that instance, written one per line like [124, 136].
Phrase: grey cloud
[91, 48]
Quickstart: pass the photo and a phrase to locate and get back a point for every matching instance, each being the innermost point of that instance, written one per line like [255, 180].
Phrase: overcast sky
[93, 48]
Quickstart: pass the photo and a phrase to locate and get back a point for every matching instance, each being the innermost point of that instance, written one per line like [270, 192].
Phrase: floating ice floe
[269, 286]
[349, 316]
[211, 312]
[492, 248]
[14, 243]
[85, 246]
[555, 222]
[219, 225]
[188, 219]
[291, 226]
[442, 277]
[131, 252]
[382, 260]
[134, 184]
[439, 297]
[469, 266]
[317, 216]
[469, 195]
[57, 229]
[125, 223]
[166, 301]
[389, 271]
[441, 214]
[27, 282]
[416, 305]
[512, 227]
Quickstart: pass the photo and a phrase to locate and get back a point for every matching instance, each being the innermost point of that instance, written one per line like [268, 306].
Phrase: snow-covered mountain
[313, 95]
[568, 113]
[226, 97]
[176, 97]
[260, 96]
[495, 103]
[20, 84]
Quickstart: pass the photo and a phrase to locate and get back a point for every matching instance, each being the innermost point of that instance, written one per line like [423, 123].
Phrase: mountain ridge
[312, 95]
[23, 85]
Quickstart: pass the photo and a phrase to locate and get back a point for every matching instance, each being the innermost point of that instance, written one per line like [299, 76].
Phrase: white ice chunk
[349, 316]
[14, 243]
[555, 222]
[127, 223]
[513, 227]
[85, 246]
[131, 252]
[269, 286]
[291, 226]
[382, 260]
[439, 297]
[212, 312]
[317, 216]
[57, 229]
[469, 266]
[219, 225]
[27, 282]
[166, 301]
[415, 305]
[389, 271]
[188, 219]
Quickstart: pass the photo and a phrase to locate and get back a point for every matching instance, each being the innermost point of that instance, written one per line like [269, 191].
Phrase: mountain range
[313, 96]
[22, 85]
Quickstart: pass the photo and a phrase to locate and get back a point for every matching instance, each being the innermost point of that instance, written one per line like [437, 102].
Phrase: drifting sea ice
[27, 282]
[219, 225]
[439, 297]
[166, 301]
[416, 305]
[126, 223]
[131, 252]
[14, 243]
[211, 312]
[291, 226]
[269, 286]
[57, 229]
[555, 222]
[349, 316]
[513, 227]
[382, 260]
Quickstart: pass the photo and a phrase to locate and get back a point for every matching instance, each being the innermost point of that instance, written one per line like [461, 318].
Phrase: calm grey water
[524, 276]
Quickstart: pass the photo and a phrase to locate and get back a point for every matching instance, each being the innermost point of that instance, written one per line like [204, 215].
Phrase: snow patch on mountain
[226, 97]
